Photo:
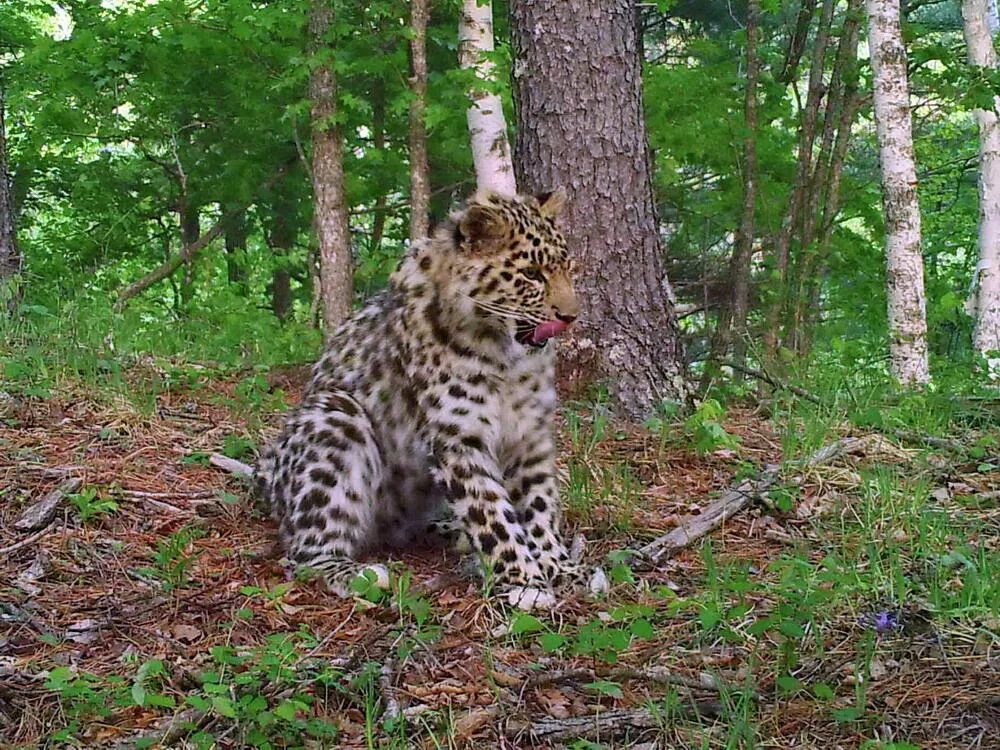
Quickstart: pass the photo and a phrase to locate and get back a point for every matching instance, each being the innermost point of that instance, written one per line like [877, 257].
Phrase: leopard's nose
[565, 318]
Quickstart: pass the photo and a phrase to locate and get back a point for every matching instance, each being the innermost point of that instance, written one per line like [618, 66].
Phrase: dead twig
[658, 675]
[604, 725]
[773, 380]
[733, 501]
[27, 540]
[231, 465]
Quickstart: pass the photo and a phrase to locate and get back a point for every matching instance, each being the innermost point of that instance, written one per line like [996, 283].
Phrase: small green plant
[705, 430]
[172, 559]
[89, 504]
[238, 447]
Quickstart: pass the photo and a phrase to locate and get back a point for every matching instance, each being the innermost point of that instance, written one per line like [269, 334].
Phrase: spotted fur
[434, 398]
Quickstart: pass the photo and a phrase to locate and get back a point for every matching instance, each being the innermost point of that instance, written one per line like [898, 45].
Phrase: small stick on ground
[231, 465]
[604, 726]
[653, 674]
[28, 540]
[732, 502]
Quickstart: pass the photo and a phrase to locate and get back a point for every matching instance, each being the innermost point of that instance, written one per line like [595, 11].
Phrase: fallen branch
[27, 540]
[658, 675]
[189, 252]
[231, 465]
[773, 380]
[601, 726]
[733, 501]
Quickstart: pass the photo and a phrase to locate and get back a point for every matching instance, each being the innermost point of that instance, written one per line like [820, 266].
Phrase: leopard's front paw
[528, 598]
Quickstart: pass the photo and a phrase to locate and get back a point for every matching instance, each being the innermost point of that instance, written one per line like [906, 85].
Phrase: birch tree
[487, 126]
[330, 214]
[980, 25]
[904, 262]
[420, 185]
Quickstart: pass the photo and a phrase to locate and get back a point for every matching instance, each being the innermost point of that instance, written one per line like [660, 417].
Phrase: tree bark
[420, 179]
[487, 126]
[733, 326]
[190, 218]
[330, 213]
[904, 262]
[11, 260]
[580, 124]
[798, 197]
[280, 239]
[236, 248]
[986, 337]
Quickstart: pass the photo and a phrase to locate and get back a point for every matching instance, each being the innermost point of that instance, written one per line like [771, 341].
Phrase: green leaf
[846, 715]
[224, 706]
[823, 691]
[551, 641]
[605, 687]
[789, 684]
[525, 623]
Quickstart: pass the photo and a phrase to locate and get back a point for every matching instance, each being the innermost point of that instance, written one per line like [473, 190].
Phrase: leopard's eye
[534, 274]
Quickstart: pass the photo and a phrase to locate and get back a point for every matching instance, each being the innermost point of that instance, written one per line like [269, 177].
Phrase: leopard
[431, 410]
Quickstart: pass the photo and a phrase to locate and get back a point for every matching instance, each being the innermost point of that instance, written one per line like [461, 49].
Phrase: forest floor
[855, 605]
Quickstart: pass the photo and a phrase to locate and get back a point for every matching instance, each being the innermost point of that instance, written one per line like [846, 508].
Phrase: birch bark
[979, 23]
[487, 127]
[904, 262]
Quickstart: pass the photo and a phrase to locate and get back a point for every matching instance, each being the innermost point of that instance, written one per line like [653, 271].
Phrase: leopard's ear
[482, 223]
[551, 203]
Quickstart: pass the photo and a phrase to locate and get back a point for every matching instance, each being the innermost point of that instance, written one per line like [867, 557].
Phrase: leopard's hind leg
[325, 474]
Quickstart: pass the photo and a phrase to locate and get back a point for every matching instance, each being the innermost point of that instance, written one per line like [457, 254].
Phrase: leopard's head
[512, 264]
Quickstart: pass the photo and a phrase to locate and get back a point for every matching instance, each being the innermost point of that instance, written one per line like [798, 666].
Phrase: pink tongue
[547, 330]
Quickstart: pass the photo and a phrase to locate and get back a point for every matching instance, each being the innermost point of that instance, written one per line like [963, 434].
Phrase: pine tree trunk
[978, 37]
[420, 179]
[330, 213]
[580, 125]
[904, 262]
[11, 260]
[487, 126]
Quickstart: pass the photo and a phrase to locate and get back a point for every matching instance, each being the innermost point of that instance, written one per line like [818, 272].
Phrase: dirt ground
[75, 595]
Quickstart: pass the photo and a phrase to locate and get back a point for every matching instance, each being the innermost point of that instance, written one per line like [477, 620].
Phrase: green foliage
[90, 505]
[705, 430]
[172, 559]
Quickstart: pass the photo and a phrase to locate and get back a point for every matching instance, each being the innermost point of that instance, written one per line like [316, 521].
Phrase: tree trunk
[236, 249]
[798, 197]
[487, 127]
[378, 140]
[330, 214]
[420, 180]
[578, 84]
[190, 219]
[280, 239]
[733, 326]
[11, 260]
[904, 263]
[986, 338]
